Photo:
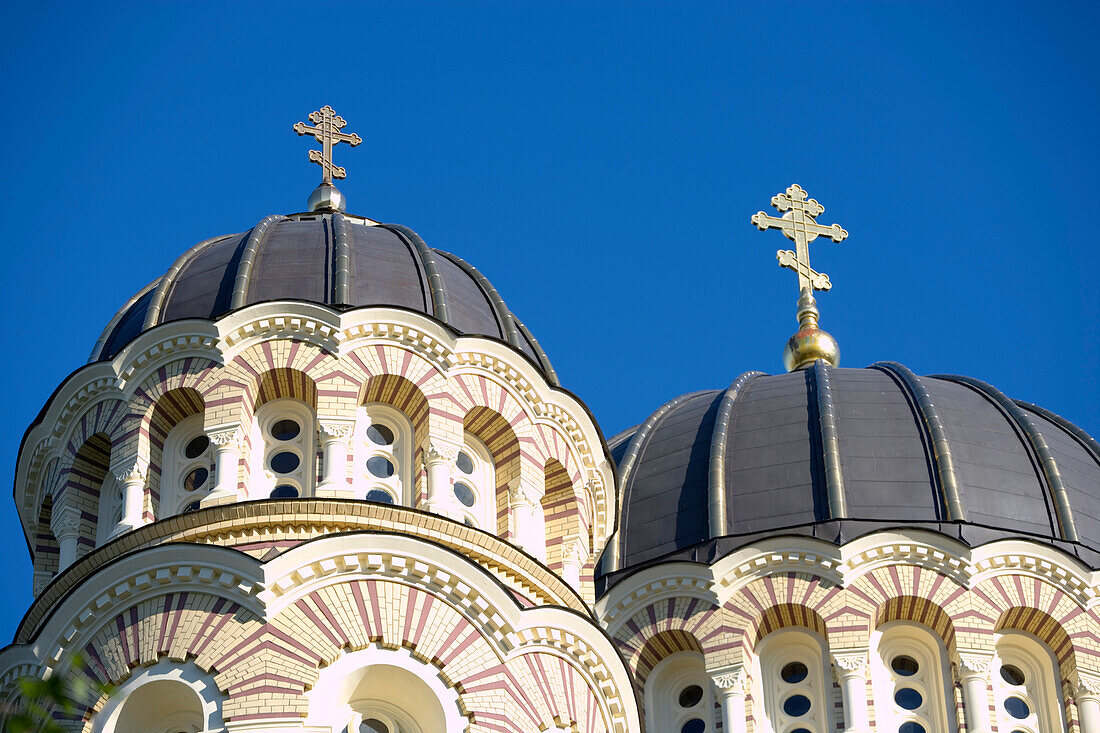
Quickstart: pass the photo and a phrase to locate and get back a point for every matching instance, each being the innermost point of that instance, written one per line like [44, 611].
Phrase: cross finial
[798, 225]
[326, 130]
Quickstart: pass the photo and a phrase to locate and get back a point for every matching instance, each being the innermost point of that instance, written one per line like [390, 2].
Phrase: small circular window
[1017, 708]
[285, 429]
[196, 446]
[911, 727]
[904, 665]
[379, 496]
[691, 696]
[695, 725]
[379, 434]
[796, 705]
[794, 672]
[285, 462]
[192, 507]
[465, 463]
[379, 466]
[373, 725]
[196, 479]
[1012, 674]
[908, 698]
[284, 491]
[465, 494]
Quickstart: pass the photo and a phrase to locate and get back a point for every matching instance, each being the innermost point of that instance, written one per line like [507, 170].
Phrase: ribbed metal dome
[836, 453]
[335, 259]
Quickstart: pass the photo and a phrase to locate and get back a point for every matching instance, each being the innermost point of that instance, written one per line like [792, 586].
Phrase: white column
[1087, 696]
[527, 531]
[227, 442]
[65, 525]
[335, 434]
[131, 474]
[732, 686]
[973, 671]
[439, 461]
[851, 673]
[574, 556]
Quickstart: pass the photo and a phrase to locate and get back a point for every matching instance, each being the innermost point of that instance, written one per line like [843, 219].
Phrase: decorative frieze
[734, 681]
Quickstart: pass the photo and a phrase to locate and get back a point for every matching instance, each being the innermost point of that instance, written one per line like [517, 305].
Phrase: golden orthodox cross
[798, 225]
[327, 132]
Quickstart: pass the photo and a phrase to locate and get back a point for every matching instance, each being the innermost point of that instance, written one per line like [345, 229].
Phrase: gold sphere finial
[810, 343]
[799, 225]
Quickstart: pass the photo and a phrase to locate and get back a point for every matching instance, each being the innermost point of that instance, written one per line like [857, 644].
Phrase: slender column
[1086, 694]
[851, 673]
[526, 528]
[439, 461]
[65, 524]
[574, 555]
[335, 434]
[973, 671]
[131, 474]
[733, 686]
[227, 442]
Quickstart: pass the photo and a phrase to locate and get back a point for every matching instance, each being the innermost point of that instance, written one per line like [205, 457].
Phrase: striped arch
[564, 522]
[919, 610]
[111, 418]
[283, 382]
[444, 411]
[788, 615]
[496, 433]
[671, 619]
[83, 488]
[1045, 628]
[46, 549]
[170, 409]
[660, 646]
[404, 396]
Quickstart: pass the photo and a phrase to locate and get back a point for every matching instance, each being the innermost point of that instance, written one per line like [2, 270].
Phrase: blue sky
[599, 162]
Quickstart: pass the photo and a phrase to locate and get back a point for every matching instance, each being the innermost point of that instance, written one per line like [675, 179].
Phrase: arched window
[110, 508]
[679, 697]
[474, 484]
[284, 461]
[383, 455]
[165, 698]
[1025, 685]
[794, 681]
[910, 679]
[187, 470]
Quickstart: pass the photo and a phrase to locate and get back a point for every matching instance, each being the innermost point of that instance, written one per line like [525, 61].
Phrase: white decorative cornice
[437, 453]
[974, 665]
[134, 469]
[733, 681]
[335, 428]
[1086, 685]
[851, 664]
[521, 495]
[65, 523]
[231, 436]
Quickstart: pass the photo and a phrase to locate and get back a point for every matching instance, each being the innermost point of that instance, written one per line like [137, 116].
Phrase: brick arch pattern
[1045, 628]
[406, 397]
[789, 615]
[492, 429]
[83, 488]
[675, 618]
[564, 522]
[921, 611]
[170, 409]
[46, 549]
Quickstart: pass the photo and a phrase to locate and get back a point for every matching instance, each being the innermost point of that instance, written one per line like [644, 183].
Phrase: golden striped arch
[921, 611]
[1046, 629]
[663, 645]
[785, 615]
[285, 382]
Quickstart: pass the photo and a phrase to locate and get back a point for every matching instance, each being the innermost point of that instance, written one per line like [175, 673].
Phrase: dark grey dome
[836, 453]
[334, 259]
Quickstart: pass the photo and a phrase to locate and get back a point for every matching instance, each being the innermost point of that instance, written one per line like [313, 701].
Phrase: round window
[796, 705]
[690, 696]
[794, 672]
[695, 725]
[904, 665]
[379, 466]
[1017, 708]
[196, 479]
[196, 446]
[911, 727]
[285, 462]
[379, 496]
[373, 725]
[464, 493]
[1012, 674]
[908, 698]
[465, 463]
[379, 434]
[285, 429]
[192, 507]
[284, 491]
[469, 522]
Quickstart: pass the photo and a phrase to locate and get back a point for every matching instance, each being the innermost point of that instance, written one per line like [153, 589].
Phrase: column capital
[851, 663]
[39, 580]
[131, 469]
[226, 436]
[974, 665]
[519, 494]
[65, 523]
[731, 681]
[441, 453]
[335, 428]
[1086, 686]
[575, 550]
